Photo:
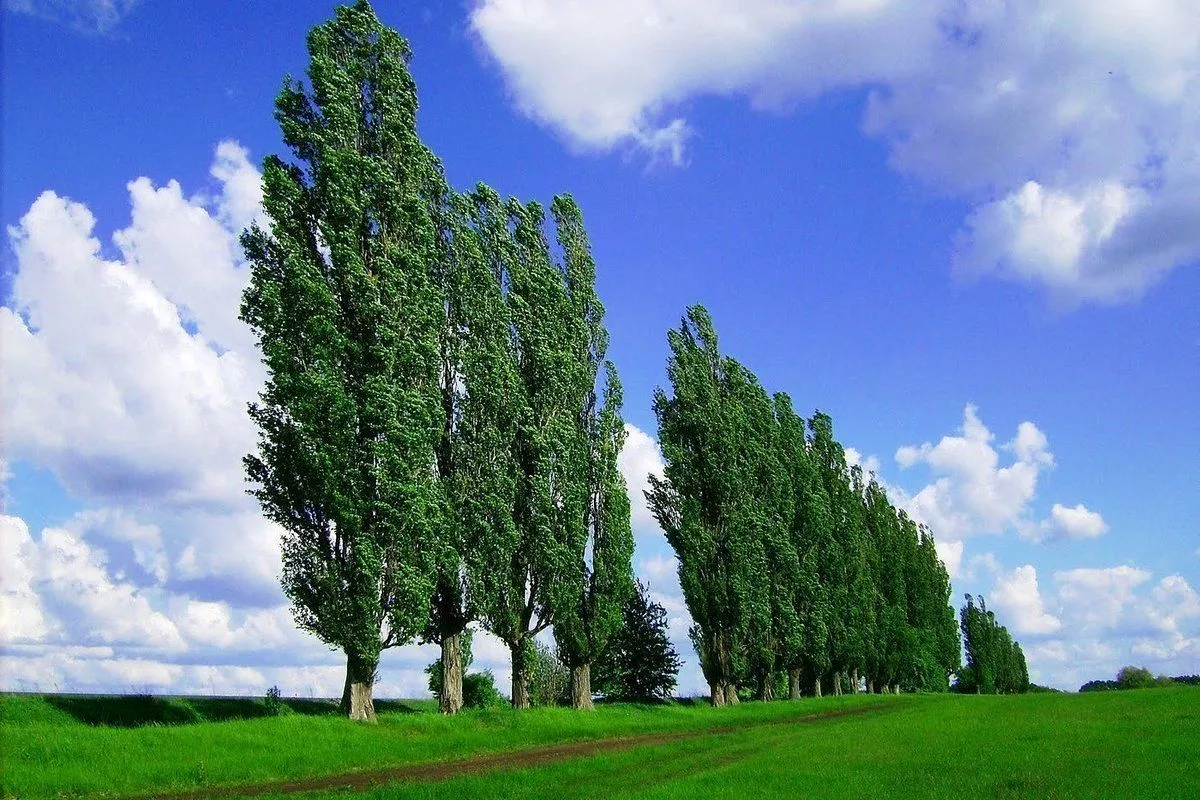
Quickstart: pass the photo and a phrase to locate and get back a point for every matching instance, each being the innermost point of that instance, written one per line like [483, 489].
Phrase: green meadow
[1108, 744]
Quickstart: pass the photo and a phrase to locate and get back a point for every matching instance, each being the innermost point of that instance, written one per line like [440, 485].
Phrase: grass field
[1113, 744]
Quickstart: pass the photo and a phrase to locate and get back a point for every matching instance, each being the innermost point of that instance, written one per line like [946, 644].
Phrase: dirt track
[513, 759]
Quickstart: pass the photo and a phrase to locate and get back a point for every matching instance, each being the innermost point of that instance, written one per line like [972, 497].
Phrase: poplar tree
[517, 572]
[710, 501]
[792, 584]
[345, 303]
[590, 592]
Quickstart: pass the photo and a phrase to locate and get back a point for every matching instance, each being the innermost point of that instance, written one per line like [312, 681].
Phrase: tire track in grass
[477, 765]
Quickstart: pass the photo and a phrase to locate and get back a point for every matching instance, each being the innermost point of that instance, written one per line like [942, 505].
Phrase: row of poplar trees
[440, 426]
[791, 563]
[995, 661]
[439, 431]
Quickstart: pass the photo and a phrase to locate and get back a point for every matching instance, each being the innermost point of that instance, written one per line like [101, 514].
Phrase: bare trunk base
[766, 689]
[716, 694]
[837, 684]
[816, 687]
[794, 684]
[731, 698]
[870, 686]
[854, 681]
[895, 688]
[451, 700]
[581, 688]
[520, 675]
[357, 702]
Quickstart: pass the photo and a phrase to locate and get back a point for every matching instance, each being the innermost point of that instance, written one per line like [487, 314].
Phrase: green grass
[1119, 744]
[50, 749]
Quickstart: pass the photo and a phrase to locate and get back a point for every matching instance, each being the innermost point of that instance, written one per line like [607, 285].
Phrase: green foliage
[552, 541]
[345, 303]
[548, 676]
[479, 691]
[995, 663]
[710, 502]
[599, 576]
[1131, 677]
[789, 560]
[1135, 678]
[639, 663]
[274, 704]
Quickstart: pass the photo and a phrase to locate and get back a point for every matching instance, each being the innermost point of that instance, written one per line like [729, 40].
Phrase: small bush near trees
[549, 678]
[479, 691]
[640, 664]
[274, 702]
[478, 688]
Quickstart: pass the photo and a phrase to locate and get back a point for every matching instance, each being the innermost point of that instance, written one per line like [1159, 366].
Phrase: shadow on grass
[135, 711]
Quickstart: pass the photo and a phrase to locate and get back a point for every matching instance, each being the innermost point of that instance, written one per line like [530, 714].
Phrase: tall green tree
[519, 573]
[589, 593]
[793, 578]
[345, 302]
[995, 664]
[706, 502]
[478, 381]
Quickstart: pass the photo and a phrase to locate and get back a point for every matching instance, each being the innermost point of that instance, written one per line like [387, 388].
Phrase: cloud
[86, 16]
[1017, 595]
[638, 460]
[1069, 128]
[128, 377]
[1074, 523]
[972, 492]
[104, 384]
[951, 554]
[1098, 597]
[869, 464]
[1097, 620]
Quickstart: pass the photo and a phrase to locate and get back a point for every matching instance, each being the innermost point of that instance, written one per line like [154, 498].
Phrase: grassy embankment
[1120, 744]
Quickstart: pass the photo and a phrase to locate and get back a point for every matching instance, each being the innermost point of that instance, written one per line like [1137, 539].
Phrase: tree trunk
[854, 681]
[581, 688]
[520, 675]
[731, 698]
[895, 688]
[716, 694]
[837, 684]
[870, 686]
[766, 689]
[356, 693]
[817, 686]
[451, 700]
[794, 684]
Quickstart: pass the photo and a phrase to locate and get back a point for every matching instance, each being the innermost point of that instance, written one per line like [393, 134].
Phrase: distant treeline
[1138, 678]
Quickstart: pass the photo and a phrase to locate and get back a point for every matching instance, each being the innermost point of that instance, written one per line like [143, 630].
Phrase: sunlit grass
[50, 749]
[1115, 744]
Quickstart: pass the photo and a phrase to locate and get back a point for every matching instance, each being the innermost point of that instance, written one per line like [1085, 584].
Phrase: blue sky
[976, 249]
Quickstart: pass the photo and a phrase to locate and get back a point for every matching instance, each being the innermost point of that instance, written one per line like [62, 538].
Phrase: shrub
[639, 663]
[549, 679]
[1135, 678]
[274, 702]
[479, 691]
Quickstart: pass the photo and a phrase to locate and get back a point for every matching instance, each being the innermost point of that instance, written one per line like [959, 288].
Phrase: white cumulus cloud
[1069, 125]
[972, 491]
[638, 460]
[1076, 522]
[1018, 596]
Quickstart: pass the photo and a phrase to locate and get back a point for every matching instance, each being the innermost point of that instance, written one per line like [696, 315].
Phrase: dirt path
[513, 759]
